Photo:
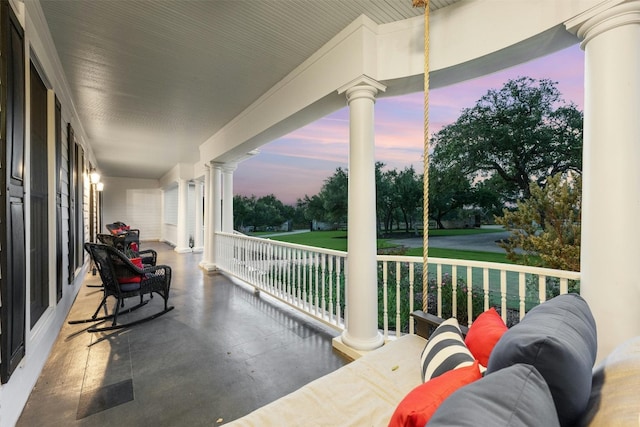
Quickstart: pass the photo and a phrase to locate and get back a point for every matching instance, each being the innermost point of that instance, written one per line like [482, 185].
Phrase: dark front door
[12, 232]
[39, 250]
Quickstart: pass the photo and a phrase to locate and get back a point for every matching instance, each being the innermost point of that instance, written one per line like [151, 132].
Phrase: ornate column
[227, 197]
[182, 237]
[361, 332]
[611, 176]
[215, 213]
[198, 238]
[206, 253]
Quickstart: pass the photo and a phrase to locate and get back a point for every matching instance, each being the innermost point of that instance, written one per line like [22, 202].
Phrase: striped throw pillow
[444, 351]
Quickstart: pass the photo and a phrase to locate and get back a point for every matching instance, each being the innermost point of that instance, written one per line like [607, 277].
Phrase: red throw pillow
[421, 403]
[483, 335]
[134, 279]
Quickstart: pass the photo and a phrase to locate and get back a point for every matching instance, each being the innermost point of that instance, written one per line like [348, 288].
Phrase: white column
[227, 197]
[215, 213]
[361, 331]
[182, 238]
[198, 243]
[611, 173]
[207, 257]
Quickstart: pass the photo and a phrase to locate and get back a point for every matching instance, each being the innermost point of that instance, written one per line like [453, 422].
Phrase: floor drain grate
[100, 399]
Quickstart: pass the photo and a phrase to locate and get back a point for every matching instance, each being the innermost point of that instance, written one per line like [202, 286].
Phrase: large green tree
[386, 196]
[449, 191]
[408, 190]
[266, 211]
[334, 195]
[521, 133]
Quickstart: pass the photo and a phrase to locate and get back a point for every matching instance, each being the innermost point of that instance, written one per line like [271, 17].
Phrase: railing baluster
[338, 299]
[316, 296]
[564, 286]
[522, 293]
[331, 311]
[503, 294]
[542, 288]
[411, 296]
[398, 279]
[385, 299]
[323, 301]
[439, 287]
[454, 292]
[469, 296]
[485, 287]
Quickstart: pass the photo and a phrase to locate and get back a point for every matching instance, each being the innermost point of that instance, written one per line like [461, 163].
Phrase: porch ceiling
[152, 80]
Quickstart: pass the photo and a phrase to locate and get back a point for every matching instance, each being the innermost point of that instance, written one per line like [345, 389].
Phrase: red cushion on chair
[483, 335]
[421, 403]
[135, 279]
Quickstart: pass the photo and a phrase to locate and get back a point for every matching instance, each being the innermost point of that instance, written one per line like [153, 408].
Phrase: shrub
[477, 299]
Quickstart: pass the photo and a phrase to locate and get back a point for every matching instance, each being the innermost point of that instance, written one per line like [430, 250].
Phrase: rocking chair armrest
[154, 269]
[149, 256]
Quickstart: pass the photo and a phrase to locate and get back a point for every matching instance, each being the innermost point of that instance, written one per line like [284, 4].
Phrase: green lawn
[461, 254]
[337, 240]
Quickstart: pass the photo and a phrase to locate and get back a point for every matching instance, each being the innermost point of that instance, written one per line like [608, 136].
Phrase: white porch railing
[313, 280]
[307, 278]
[511, 289]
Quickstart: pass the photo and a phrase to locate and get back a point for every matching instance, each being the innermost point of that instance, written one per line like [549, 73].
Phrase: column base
[362, 344]
[347, 351]
[208, 266]
[197, 250]
[182, 250]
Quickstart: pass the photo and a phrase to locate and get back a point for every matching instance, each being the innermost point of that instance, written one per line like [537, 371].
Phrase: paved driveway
[475, 242]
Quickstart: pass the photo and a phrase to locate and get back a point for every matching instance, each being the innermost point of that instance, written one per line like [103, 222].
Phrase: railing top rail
[287, 245]
[571, 275]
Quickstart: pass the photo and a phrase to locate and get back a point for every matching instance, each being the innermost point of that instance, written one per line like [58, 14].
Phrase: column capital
[216, 165]
[362, 86]
[607, 16]
[229, 167]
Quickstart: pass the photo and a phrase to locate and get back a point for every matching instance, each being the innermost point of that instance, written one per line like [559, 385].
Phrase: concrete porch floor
[220, 354]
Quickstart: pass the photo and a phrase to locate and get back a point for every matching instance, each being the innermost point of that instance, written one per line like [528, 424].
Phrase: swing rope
[425, 181]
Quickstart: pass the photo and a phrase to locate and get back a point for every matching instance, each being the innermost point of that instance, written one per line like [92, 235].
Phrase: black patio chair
[122, 279]
[119, 228]
[119, 241]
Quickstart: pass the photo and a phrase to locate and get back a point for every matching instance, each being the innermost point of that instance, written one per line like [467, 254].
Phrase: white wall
[136, 202]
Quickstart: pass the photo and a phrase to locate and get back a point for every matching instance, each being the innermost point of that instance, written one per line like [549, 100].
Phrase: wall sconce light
[94, 176]
[100, 186]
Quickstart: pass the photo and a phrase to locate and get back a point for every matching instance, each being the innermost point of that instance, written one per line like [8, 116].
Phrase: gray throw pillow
[558, 337]
[516, 396]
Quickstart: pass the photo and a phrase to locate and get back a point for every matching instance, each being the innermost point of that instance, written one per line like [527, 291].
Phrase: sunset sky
[298, 163]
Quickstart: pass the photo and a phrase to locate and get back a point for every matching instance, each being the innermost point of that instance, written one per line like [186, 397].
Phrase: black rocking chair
[122, 279]
[120, 242]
